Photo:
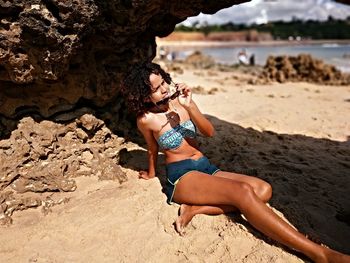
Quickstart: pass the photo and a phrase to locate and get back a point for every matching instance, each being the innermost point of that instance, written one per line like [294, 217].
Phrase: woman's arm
[202, 123]
[152, 149]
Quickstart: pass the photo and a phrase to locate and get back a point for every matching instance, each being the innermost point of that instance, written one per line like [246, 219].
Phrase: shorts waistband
[185, 161]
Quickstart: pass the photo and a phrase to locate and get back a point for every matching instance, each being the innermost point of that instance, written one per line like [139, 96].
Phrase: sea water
[335, 54]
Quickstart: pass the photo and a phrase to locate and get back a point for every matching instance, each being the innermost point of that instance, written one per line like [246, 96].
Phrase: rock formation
[58, 61]
[57, 56]
[43, 158]
[302, 68]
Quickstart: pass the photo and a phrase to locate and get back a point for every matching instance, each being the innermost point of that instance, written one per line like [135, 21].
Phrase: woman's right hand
[185, 97]
[145, 175]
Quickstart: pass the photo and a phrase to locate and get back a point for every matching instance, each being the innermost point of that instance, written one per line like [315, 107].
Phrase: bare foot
[185, 216]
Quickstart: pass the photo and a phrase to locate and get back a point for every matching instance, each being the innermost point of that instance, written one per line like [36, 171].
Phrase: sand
[294, 135]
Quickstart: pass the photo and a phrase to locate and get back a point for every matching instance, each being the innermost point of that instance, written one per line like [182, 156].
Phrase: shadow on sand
[310, 176]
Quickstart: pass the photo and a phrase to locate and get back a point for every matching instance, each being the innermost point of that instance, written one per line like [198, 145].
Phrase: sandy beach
[293, 135]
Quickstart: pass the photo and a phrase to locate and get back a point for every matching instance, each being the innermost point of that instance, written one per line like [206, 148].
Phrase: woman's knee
[266, 191]
[246, 195]
[246, 188]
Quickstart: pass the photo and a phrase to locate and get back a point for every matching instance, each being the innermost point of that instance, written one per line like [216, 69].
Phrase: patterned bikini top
[172, 139]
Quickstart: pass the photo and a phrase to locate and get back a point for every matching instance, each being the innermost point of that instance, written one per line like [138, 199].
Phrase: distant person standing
[252, 60]
[171, 56]
[242, 57]
[162, 53]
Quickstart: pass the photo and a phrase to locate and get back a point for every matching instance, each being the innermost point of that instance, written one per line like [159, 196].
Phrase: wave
[333, 45]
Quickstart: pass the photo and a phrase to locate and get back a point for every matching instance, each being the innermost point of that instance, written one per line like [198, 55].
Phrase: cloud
[260, 11]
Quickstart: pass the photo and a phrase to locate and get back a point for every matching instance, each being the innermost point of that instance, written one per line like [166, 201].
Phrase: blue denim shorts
[176, 170]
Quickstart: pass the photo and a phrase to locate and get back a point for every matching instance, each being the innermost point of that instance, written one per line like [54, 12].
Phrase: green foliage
[330, 29]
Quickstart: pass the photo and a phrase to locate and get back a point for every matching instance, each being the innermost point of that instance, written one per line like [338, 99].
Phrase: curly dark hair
[137, 87]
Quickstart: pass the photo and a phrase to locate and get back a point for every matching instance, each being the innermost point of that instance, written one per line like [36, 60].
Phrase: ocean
[336, 54]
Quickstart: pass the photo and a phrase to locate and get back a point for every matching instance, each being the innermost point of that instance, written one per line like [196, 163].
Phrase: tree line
[306, 29]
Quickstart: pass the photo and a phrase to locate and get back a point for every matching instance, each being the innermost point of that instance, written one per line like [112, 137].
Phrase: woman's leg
[261, 188]
[201, 189]
[187, 212]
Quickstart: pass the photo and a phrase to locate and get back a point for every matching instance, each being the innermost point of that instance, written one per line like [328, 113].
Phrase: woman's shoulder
[146, 119]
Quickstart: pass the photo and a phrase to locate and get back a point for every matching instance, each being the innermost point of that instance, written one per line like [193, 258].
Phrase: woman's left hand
[185, 97]
[145, 175]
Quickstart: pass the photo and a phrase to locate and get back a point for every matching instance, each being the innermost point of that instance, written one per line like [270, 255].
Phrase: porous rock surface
[58, 55]
[43, 158]
[302, 68]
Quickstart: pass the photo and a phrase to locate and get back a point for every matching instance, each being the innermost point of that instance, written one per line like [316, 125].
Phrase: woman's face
[159, 89]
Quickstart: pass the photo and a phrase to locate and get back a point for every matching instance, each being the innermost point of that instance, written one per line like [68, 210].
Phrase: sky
[263, 11]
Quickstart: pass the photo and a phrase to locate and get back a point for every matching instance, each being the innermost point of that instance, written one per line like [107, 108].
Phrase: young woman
[169, 123]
